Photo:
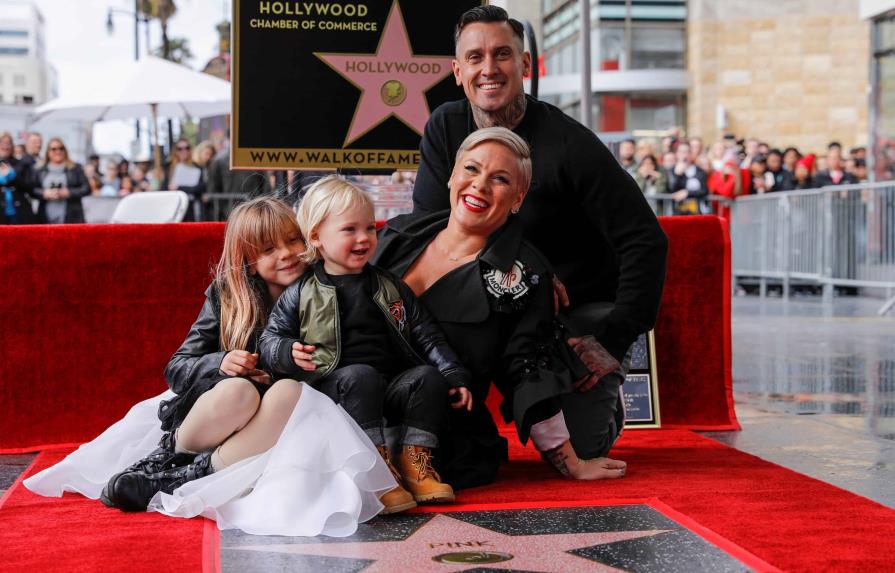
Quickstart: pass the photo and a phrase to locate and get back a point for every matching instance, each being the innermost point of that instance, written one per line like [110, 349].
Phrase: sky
[83, 52]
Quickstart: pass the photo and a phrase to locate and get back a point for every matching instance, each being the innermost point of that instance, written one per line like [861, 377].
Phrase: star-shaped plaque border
[394, 47]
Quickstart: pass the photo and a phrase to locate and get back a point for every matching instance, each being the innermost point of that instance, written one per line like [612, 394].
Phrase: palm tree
[162, 10]
[178, 51]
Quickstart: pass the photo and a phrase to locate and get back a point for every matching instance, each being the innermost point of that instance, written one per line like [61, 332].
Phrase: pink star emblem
[393, 81]
[427, 547]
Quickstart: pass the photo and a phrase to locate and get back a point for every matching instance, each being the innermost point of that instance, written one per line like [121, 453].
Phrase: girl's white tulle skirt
[322, 477]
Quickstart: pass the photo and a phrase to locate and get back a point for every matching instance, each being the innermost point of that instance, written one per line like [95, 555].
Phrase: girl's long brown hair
[251, 226]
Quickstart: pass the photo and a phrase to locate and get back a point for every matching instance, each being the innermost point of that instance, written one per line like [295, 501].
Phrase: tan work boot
[421, 478]
[398, 499]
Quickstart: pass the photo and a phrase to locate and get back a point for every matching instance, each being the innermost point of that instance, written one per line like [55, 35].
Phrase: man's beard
[508, 117]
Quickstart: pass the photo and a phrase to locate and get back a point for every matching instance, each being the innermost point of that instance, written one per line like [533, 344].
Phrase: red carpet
[78, 534]
[785, 519]
[789, 520]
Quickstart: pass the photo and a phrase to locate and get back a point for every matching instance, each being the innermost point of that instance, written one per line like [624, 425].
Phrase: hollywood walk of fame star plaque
[616, 538]
[339, 84]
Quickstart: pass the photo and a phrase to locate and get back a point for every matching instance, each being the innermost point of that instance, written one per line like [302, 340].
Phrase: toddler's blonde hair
[330, 195]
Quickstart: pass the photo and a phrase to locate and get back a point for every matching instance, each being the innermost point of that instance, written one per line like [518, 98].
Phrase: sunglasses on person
[56, 148]
[183, 148]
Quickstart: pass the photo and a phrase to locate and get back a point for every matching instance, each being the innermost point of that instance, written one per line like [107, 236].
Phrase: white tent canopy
[176, 90]
[151, 87]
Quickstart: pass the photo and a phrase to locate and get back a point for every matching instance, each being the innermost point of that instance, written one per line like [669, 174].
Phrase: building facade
[26, 77]
[789, 73]
[638, 63]
[881, 16]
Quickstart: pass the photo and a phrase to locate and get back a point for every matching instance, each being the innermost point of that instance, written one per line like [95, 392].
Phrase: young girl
[373, 348]
[225, 410]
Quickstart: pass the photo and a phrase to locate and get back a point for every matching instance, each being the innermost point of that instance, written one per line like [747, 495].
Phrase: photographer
[688, 184]
[15, 207]
[59, 183]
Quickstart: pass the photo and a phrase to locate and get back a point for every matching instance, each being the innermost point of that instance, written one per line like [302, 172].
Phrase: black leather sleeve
[77, 182]
[429, 340]
[281, 332]
[200, 353]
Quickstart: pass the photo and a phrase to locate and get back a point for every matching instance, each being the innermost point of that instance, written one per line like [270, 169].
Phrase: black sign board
[337, 84]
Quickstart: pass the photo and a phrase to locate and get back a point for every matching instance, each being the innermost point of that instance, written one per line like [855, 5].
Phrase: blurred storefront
[882, 81]
[638, 63]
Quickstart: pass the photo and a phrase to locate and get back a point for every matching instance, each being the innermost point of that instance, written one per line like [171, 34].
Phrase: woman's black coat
[77, 185]
[497, 312]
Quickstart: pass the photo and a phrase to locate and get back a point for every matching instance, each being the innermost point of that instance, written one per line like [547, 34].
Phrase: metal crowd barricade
[98, 208]
[217, 206]
[390, 199]
[663, 204]
[831, 237]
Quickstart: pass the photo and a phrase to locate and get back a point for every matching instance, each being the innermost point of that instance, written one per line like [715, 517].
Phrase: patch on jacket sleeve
[506, 285]
[396, 309]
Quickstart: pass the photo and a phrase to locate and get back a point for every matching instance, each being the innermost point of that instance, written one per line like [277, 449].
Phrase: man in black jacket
[583, 210]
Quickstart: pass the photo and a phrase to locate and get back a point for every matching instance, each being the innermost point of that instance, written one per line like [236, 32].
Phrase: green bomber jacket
[308, 312]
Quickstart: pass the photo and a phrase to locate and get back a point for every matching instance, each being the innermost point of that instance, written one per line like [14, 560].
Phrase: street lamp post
[110, 29]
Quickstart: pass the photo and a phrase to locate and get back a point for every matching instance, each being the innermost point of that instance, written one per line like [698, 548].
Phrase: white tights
[234, 419]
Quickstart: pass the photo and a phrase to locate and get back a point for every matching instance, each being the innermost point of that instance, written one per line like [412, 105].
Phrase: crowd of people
[43, 184]
[689, 170]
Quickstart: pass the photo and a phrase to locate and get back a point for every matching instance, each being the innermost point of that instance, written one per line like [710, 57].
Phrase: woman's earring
[514, 210]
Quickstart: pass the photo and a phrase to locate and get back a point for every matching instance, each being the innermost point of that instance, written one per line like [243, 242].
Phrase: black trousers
[415, 399]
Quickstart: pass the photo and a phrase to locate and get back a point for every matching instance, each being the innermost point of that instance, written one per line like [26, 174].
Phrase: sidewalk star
[447, 544]
[393, 81]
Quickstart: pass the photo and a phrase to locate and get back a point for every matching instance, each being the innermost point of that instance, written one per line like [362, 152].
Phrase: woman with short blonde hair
[493, 295]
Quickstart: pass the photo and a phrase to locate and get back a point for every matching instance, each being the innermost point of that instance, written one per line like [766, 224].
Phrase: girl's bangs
[272, 224]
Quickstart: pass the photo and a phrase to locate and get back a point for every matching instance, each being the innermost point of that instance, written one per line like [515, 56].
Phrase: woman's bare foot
[566, 461]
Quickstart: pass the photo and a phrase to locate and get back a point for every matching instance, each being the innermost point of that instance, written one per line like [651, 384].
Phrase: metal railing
[217, 206]
[390, 199]
[664, 204]
[831, 237]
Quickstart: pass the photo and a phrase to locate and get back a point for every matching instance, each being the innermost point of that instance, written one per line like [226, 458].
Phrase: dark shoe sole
[435, 498]
[389, 509]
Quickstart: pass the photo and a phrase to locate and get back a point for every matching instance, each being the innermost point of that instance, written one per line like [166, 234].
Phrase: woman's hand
[560, 296]
[64, 193]
[465, 398]
[261, 377]
[50, 194]
[239, 363]
[301, 354]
